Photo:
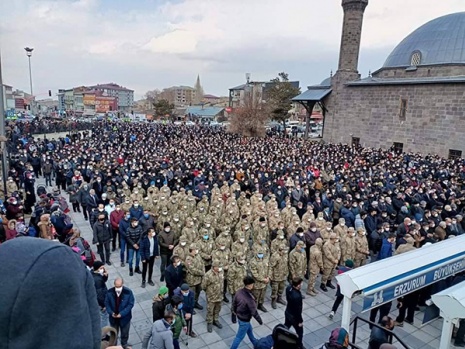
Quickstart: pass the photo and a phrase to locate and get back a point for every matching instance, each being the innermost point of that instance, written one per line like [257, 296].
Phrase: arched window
[415, 59]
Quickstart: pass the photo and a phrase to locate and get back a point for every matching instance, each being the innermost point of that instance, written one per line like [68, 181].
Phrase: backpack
[87, 254]
[284, 339]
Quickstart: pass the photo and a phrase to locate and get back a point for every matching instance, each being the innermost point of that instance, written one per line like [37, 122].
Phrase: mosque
[415, 102]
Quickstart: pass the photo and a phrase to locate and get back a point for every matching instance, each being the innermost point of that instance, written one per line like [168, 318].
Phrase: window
[398, 147]
[415, 59]
[454, 154]
[403, 109]
[355, 141]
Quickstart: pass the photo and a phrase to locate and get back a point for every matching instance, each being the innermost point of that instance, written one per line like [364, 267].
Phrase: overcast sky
[147, 44]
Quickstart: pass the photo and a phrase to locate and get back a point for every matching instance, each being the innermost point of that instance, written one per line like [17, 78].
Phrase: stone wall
[421, 71]
[434, 123]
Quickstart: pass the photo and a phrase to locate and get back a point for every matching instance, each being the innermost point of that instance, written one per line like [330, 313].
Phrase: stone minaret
[351, 37]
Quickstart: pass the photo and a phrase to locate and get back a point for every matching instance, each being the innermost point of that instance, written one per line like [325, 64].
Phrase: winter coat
[159, 336]
[245, 306]
[145, 248]
[115, 217]
[125, 306]
[102, 232]
[133, 235]
[100, 288]
[386, 250]
[164, 240]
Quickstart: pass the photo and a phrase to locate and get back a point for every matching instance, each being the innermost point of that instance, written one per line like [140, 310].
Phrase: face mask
[185, 294]
[241, 239]
[183, 244]
[118, 208]
[222, 248]
[301, 234]
[320, 218]
[101, 271]
[180, 306]
[136, 205]
[178, 263]
[146, 215]
[196, 251]
[313, 229]
[260, 255]
[205, 237]
[176, 219]
[328, 228]
[128, 216]
[302, 250]
[167, 230]
[220, 269]
[100, 209]
[342, 224]
[112, 204]
[118, 289]
[165, 297]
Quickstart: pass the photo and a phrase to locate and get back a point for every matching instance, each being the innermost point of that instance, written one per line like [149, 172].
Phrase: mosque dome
[438, 42]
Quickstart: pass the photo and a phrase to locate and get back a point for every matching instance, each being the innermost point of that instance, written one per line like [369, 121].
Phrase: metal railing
[390, 334]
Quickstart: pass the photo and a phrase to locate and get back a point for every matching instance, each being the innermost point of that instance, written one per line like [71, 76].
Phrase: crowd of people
[215, 207]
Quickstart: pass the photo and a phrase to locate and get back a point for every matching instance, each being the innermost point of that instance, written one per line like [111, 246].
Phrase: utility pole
[29, 54]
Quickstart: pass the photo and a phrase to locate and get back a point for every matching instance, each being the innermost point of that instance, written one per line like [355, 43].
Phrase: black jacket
[294, 305]
[158, 308]
[100, 288]
[244, 306]
[378, 336]
[102, 232]
[134, 235]
[174, 276]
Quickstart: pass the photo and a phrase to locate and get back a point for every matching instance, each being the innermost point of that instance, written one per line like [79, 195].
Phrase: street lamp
[29, 54]
[3, 141]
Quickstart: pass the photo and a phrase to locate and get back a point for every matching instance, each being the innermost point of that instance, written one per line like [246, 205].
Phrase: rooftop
[372, 81]
[111, 86]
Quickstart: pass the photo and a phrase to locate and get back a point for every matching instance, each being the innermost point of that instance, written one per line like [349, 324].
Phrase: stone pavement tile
[323, 309]
[424, 336]
[141, 325]
[261, 331]
[138, 315]
[196, 343]
[313, 341]
[413, 341]
[267, 317]
[210, 338]
[219, 345]
[226, 332]
[323, 320]
[272, 324]
[311, 325]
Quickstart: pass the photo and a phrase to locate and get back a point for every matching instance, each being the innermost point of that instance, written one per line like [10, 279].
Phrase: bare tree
[249, 119]
[152, 97]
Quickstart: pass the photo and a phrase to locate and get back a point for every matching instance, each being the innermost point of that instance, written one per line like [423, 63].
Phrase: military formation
[229, 236]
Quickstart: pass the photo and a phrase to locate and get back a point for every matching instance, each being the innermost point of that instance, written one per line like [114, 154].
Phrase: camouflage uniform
[242, 247]
[298, 261]
[347, 246]
[341, 228]
[206, 249]
[278, 272]
[331, 256]
[236, 274]
[212, 284]
[195, 270]
[223, 256]
[361, 248]
[224, 239]
[260, 247]
[315, 265]
[182, 249]
[189, 231]
[259, 270]
[320, 222]
[326, 232]
[280, 240]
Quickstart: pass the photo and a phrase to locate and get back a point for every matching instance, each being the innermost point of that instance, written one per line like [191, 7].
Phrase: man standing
[102, 237]
[133, 237]
[315, 265]
[213, 285]
[174, 274]
[244, 307]
[259, 270]
[148, 253]
[119, 303]
[293, 313]
[195, 270]
[100, 278]
[278, 272]
[188, 306]
[331, 256]
[237, 273]
[115, 217]
[166, 241]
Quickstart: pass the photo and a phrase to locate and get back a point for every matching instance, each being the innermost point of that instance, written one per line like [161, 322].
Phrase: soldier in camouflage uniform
[212, 284]
[315, 265]
[347, 245]
[236, 274]
[182, 249]
[240, 245]
[224, 238]
[176, 225]
[259, 270]
[261, 232]
[278, 272]
[260, 247]
[280, 240]
[320, 222]
[189, 231]
[195, 270]
[224, 257]
[331, 257]
[206, 249]
[327, 231]
[164, 217]
[298, 261]
[361, 248]
[341, 228]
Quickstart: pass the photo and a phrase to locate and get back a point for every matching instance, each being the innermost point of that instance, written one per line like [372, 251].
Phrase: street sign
[417, 281]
